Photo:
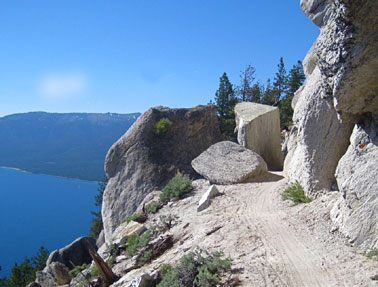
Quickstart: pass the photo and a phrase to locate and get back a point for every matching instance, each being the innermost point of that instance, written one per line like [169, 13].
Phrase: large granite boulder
[341, 84]
[228, 163]
[55, 274]
[144, 160]
[357, 178]
[259, 130]
[77, 253]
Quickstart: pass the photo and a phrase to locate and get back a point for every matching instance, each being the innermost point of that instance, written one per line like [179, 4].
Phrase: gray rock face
[357, 178]
[142, 161]
[341, 70]
[316, 10]
[100, 239]
[227, 163]
[348, 57]
[76, 252]
[55, 274]
[259, 130]
[341, 90]
[318, 139]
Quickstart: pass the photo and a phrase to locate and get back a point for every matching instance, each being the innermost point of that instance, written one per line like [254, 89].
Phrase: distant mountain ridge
[63, 144]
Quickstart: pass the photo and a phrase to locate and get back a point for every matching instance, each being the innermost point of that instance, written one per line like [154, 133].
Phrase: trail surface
[271, 242]
[301, 259]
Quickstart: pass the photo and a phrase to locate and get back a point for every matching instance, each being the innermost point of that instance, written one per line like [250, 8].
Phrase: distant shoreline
[58, 176]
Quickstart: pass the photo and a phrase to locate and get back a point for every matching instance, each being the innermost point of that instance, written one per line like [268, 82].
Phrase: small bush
[73, 273]
[176, 188]
[152, 207]
[373, 254]
[146, 256]
[295, 193]
[94, 271]
[162, 126]
[111, 261]
[136, 242]
[165, 268]
[138, 217]
[196, 269]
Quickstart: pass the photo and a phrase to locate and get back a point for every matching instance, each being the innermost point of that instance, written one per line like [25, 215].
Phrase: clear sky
[126, 56]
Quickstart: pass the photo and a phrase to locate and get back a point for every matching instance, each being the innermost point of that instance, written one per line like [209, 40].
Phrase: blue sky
[126, 56]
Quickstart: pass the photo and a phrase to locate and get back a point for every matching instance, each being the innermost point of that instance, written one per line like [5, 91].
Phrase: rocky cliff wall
[339, 96]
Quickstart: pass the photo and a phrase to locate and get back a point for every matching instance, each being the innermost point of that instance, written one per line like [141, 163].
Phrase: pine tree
[295, 79]
[39, 260]
[225, 101]
[96, 221]
[257, 92]
[280, 83]
[269, 94]
[245, 90]
[24, 273]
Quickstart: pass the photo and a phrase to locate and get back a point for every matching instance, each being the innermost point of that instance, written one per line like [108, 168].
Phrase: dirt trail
[271, 242]
[300, 259]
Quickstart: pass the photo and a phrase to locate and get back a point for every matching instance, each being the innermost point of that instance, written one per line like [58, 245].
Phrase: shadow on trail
[269, 177]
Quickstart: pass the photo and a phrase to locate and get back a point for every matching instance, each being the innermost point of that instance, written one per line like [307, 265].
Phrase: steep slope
[69, 145]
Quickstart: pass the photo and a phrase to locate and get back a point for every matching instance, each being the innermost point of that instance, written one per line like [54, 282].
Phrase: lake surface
[39, 210]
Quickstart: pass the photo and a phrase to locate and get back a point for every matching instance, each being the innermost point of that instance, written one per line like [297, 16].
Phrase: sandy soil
[271, 242]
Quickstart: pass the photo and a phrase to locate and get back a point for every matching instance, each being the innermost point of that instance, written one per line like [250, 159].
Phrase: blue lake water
[40, 210]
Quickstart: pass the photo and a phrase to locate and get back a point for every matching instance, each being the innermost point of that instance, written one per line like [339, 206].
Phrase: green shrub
[136, 242]
[135, 217]
[196, 269]
[152, 207]
[111, 261]
[373, 254]
[295, 193]
[146, 256]
[162, 126]
[94, 271]
[165, 268]
[176, 188]
[73, 273]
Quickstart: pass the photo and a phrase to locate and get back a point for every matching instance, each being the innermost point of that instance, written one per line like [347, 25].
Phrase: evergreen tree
[24, 273]
[269, 94]
[245, 91]
[39, 260]
[257, 92]
[97, 224]
[280, 83]
[225, 101]
[295, 79]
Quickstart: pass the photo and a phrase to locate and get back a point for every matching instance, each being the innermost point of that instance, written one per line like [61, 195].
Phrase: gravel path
[271, 242]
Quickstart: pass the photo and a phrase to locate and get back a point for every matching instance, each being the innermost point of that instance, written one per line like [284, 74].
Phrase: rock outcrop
[317, 141]
[54, 274]
[227, 163]
[341, 84]
[259, 130]
[77, 253]
[356, 174]
[143, 160]
[341, 92]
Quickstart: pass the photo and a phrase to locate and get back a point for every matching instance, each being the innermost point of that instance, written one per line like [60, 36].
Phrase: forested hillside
[70, 145]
